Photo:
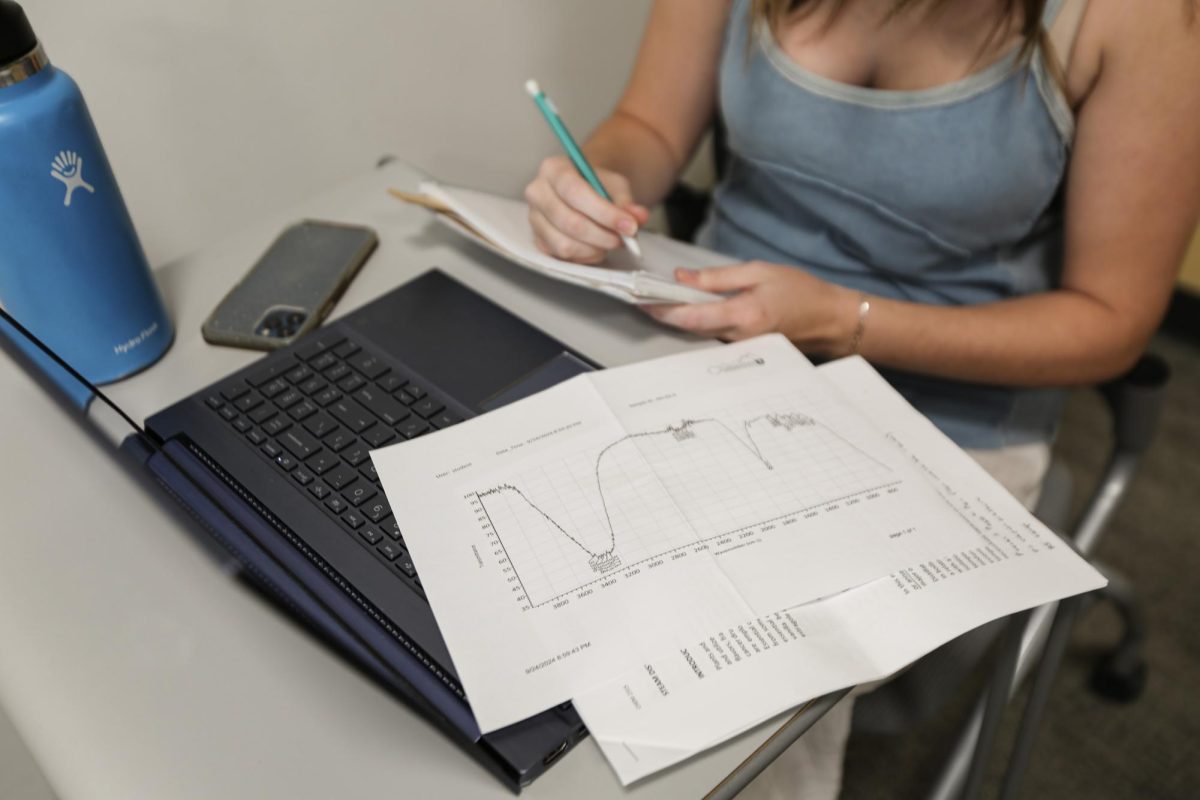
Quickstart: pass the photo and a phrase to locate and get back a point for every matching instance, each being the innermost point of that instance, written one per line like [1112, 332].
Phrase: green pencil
[546, 106]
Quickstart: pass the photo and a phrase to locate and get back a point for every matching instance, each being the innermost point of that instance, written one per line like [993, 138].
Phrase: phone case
[292, 287]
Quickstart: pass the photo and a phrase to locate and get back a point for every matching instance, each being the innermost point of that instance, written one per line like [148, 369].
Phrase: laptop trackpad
[556, 370]
[458, 340]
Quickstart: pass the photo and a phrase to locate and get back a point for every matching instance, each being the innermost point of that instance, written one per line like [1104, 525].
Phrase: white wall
[213, 110]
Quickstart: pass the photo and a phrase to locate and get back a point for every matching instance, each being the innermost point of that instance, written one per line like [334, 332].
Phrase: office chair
[1034, 638]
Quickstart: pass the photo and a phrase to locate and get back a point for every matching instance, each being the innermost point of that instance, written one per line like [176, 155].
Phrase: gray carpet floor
[1089, 747]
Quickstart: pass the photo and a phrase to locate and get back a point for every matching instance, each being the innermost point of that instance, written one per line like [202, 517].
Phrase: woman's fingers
[555, 243]
[739, 317]
[706, 319]
[622, 195]
[571, 220]
[577, 193]
[733, 278]
[639, 212]
[580, 228]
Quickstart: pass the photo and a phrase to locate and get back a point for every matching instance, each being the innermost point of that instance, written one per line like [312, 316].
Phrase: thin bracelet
[864, 308]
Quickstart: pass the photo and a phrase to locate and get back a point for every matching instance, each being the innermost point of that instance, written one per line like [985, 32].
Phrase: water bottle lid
[16, 35]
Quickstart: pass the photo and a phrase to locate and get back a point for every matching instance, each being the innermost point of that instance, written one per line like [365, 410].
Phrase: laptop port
[555, 753]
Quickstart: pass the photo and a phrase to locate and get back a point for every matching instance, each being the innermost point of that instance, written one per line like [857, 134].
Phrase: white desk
[134, 668]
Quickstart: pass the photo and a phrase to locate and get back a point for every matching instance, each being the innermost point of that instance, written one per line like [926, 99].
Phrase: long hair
[773, 13]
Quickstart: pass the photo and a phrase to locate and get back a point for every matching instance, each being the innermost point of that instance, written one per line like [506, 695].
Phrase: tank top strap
[1050, 12]
[1061, 21]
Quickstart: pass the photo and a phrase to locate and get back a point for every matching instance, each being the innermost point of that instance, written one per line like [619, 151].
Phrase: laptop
[274, 462]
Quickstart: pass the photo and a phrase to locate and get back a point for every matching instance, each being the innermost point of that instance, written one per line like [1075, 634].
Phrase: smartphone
[292, 287]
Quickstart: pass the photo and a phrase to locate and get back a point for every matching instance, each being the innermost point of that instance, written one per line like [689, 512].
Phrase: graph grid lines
[567, 525]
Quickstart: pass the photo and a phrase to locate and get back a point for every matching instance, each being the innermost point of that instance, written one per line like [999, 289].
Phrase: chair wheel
[1119, 679]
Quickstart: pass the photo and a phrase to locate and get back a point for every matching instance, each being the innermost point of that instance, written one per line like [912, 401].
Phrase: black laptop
[273, 461]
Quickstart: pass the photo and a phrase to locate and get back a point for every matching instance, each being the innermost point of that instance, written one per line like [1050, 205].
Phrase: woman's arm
[1133, 192]
[669, 101]
[640, 150]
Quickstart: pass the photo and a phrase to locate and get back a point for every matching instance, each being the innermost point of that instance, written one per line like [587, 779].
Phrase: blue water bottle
[71, 267]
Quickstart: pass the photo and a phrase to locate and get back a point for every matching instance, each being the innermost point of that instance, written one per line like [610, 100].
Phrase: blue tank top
[948, 195]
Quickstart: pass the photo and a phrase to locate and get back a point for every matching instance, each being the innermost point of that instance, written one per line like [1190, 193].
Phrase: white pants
[811, 769]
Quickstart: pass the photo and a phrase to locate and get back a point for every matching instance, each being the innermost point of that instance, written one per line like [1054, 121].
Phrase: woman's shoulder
[1143, 39]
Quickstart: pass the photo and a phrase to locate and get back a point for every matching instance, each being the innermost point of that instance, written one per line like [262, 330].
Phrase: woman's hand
[571, 221]
[819, 317]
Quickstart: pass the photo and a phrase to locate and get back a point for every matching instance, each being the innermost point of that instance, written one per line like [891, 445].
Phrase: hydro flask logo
[68, 168]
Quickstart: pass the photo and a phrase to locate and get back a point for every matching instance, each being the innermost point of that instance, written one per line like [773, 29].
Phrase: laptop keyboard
[316, 412]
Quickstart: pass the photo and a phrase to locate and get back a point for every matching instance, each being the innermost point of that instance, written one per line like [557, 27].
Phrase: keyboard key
[272, 449]
[302, 411]
[340, 477]
[370, 534]
[413, 428]
[339, 439]
[392, 528]
[378, 436]
[346, 349]
[271, 372]
[214, 401]
[405, 565]
[382, 405]
[327, 395]
[336, 372]
[299, 375]
[368, 365]
[323, 362]
[336, 504]
[351, 383]
[256, 436]
[299, 443]
[248, 401]
[392, 381]
[405, 397]
[416, 390]
[377, 511]
[357, 495]
[286, 462]
[289, 399]
[369, 472]
[242, 424]
[353, 519]
[228, 413]
[234, 390]
[428, 407]
[391, 551]
[356, 455]
[320, 490]
[276, 425]
[320, 424]
[273, 388]
[302, 476]
[262, 414]
[352, 415]
[312, 386]
[445, 419]
[322, 462]
[308, 350]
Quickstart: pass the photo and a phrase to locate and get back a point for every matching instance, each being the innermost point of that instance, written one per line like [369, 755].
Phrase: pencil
[546, 106]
